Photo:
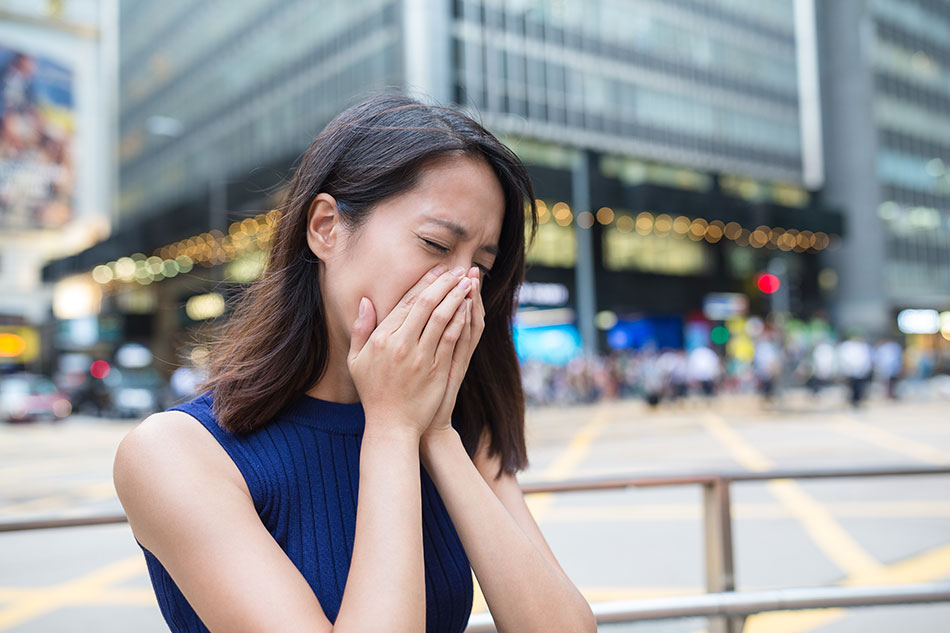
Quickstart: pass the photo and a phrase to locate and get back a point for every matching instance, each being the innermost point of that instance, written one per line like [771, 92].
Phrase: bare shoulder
[188, 504]
[169, 453]
[171, 440]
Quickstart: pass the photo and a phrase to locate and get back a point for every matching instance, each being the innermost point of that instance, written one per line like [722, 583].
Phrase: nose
[467, 266]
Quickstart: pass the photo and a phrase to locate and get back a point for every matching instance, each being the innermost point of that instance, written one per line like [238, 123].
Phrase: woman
[357, 448]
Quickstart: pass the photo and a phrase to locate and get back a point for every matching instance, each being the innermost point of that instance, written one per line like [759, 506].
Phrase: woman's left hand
[471, 333]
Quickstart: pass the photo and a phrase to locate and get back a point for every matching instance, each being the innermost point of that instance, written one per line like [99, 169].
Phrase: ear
[323, 225]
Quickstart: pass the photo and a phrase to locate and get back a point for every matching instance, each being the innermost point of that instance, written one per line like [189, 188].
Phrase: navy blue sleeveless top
[302, 470]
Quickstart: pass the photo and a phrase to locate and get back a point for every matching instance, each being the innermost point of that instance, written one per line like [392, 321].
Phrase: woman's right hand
[401, 367]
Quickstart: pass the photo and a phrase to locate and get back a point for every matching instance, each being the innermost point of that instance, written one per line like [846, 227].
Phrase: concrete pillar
[846, 39]
[584, 286]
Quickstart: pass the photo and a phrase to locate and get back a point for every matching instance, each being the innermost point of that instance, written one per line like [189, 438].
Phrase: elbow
[591, 621]
[580, 620]
[587, 621]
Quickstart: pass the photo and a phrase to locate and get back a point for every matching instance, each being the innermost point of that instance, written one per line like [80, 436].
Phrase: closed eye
[443, 249]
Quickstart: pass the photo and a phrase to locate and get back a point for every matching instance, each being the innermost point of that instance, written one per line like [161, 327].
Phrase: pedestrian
[704, 368]
[888, 359]
[768, 366]
[854, 359]
[824, 365]
[352, 457]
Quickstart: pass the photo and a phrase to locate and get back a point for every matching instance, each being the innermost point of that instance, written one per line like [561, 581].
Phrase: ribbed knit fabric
[302, 471]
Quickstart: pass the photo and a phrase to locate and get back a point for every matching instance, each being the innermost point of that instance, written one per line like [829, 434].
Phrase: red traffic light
[768, 283]
[99, 369]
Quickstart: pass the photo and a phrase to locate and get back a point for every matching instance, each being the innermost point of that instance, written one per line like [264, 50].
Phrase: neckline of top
[335, 417]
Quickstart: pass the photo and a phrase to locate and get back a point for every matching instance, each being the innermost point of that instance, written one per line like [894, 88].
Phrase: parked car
[25, 396]
[136, 392]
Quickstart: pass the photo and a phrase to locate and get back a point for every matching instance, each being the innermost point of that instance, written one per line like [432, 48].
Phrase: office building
[885, 82]
[674, 146]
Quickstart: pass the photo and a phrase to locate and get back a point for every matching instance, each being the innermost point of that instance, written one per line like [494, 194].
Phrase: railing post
[720, 570]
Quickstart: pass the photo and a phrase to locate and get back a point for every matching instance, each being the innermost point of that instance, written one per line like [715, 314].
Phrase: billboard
[37, 173]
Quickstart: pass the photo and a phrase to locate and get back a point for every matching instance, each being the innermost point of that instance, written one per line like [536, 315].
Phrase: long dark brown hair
[274, 347]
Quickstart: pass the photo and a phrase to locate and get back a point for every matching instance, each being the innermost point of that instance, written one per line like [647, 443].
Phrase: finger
[423, 306]
[478, 306]
[478, 313]
[449, 338]
[362, 327]
[442, 315]
[398, 314]
[462, 353]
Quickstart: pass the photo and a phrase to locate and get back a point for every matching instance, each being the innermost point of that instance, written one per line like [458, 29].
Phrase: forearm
[524, 591]
[385, 588]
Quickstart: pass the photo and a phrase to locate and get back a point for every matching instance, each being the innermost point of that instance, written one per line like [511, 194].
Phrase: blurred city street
[719, 245]
[614, 545]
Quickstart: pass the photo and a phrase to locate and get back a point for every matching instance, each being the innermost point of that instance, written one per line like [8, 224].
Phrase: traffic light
[768, 283]
[773, 281]
[99, 369]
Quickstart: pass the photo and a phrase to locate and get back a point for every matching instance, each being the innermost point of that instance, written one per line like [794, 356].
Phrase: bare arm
[188, 504]
[385, 589]
[525, 588]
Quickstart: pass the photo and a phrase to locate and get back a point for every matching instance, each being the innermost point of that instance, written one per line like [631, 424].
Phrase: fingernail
[458, 271]
[465, 283]
[362, 305]
[473, 271]
[438, 270]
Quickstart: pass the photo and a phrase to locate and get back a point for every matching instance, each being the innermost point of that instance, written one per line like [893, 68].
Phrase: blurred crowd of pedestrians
[777, 364]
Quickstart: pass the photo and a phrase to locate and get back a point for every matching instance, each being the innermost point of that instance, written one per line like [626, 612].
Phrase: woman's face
[405, 236]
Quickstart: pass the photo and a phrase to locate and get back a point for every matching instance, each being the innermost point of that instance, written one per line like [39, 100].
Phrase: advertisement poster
[37, 175]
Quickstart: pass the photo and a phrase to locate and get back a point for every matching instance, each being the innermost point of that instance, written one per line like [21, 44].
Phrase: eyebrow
[460, 232]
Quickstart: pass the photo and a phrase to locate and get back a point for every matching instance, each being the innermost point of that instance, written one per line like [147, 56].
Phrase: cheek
[391, 285]
[385, 273]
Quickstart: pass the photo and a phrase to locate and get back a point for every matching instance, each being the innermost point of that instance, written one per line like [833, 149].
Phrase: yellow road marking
[926, 566]
[827, 533]
[830, 537]
[562, 467]
[33, 603]
[929, 566]
[891, 441]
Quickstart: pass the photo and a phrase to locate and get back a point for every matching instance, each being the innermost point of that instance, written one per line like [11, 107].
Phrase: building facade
[672, 144]
[886, 68]
[57, 176]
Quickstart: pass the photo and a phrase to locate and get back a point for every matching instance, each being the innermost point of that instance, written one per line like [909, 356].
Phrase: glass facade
[711, 85]
[213, 89]
[911, 67]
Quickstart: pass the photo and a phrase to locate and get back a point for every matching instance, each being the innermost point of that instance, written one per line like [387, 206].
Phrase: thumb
[362, 327]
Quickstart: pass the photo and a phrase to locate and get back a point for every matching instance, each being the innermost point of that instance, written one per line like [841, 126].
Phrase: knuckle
[427, 301]
[400, 349]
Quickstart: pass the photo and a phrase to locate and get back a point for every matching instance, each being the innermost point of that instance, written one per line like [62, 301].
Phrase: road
[636, 543]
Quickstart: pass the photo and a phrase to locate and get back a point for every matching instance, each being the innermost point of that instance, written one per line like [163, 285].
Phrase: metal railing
[725, 607]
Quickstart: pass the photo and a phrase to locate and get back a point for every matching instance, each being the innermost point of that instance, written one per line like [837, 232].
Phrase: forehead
[461, 195]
